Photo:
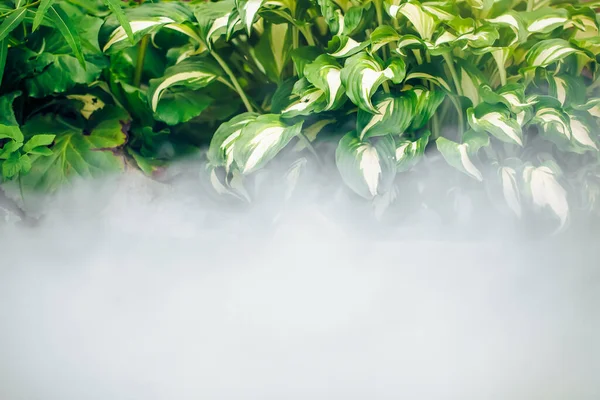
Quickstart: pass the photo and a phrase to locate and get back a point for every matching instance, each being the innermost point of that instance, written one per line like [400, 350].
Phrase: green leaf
[394, 115]
[368, 168]
[362, 75]
[409, 153]
[429, 73]
[177, 107]
[11, 166]
[115, 7]
[470, 79]
[37, 141]
[41, 13]
[546, 19]
[3, 53]
[220, 152]
[496, 120]
[510, 189]
[460, 156]
[9, 128]
[9, 148]
[11, 22]
[193, 73]
[261, 140]
[66, 27]
[303, 56]
[75, 154]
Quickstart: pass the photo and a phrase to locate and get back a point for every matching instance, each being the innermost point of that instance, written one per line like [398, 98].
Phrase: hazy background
[132, 290]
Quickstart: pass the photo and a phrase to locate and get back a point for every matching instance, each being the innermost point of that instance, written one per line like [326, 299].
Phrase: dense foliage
[90, 86]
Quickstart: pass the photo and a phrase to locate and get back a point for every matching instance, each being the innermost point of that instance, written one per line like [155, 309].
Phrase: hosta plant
[506, 92]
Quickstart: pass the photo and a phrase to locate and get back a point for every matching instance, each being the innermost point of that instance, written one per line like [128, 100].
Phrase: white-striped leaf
[428, 73]
[261, 140]
[510, 189]
[554, 124]
[363, 74]
[307, 102]
[325, 73]
[141, 27]
[394, 115]
[117, 11]
[548, 52]
[470, 79]
[461, 156]
[213, 18]
[273, 49]
[567, 89]
[248, 10]
[428, 102]
[546, 191]
[514, 22]
[193, 73]
[423, 22]
[546, 20]
[581, 133]
[220, 151]
[592, 107]
[495, 119]
[409, 153]
[344, 46]
[368, 168]
[382, 35]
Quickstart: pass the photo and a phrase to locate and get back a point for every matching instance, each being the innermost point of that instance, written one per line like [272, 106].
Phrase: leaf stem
[35, 3]
[530, 5]
[233, 79]
[310, 147]
[307, 35]
[141, 55]
[450, 62]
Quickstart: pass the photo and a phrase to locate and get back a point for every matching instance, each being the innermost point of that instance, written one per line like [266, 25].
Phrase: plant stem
[233, 79]
[378, 11]
[35, 3]
[459, 112]
[139, 67]
[450, 62]
[307, 35]
[530, 5]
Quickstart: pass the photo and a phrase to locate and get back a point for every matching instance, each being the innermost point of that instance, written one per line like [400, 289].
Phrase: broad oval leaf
[362, 75]
[548, 52]
[193, 73]
[422, 21]
[344, 46]
[496, 120]
[325, 74]
[394, 115]
[261, 140]
[220, 152]
[409, 153]
[367, 168]
[460, 156]
[248, 9]
[510, 189]
[546, 191]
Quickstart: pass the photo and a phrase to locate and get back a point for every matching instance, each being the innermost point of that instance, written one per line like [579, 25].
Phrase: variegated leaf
[422, 21]
[495, 119]
[409, 153]
[325, 74]
[428, 102]
[510, 189]
[382, 35]
[548, 52]
[461, 156]
[220, 152]
[363, 74]
[248, 10]
[261, 140]
[394, 115]
[368, 168]
[546, 191]
[344, 46]
[193, 73]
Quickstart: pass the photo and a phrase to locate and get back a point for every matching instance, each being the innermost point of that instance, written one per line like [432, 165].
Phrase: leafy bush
[92, 86]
